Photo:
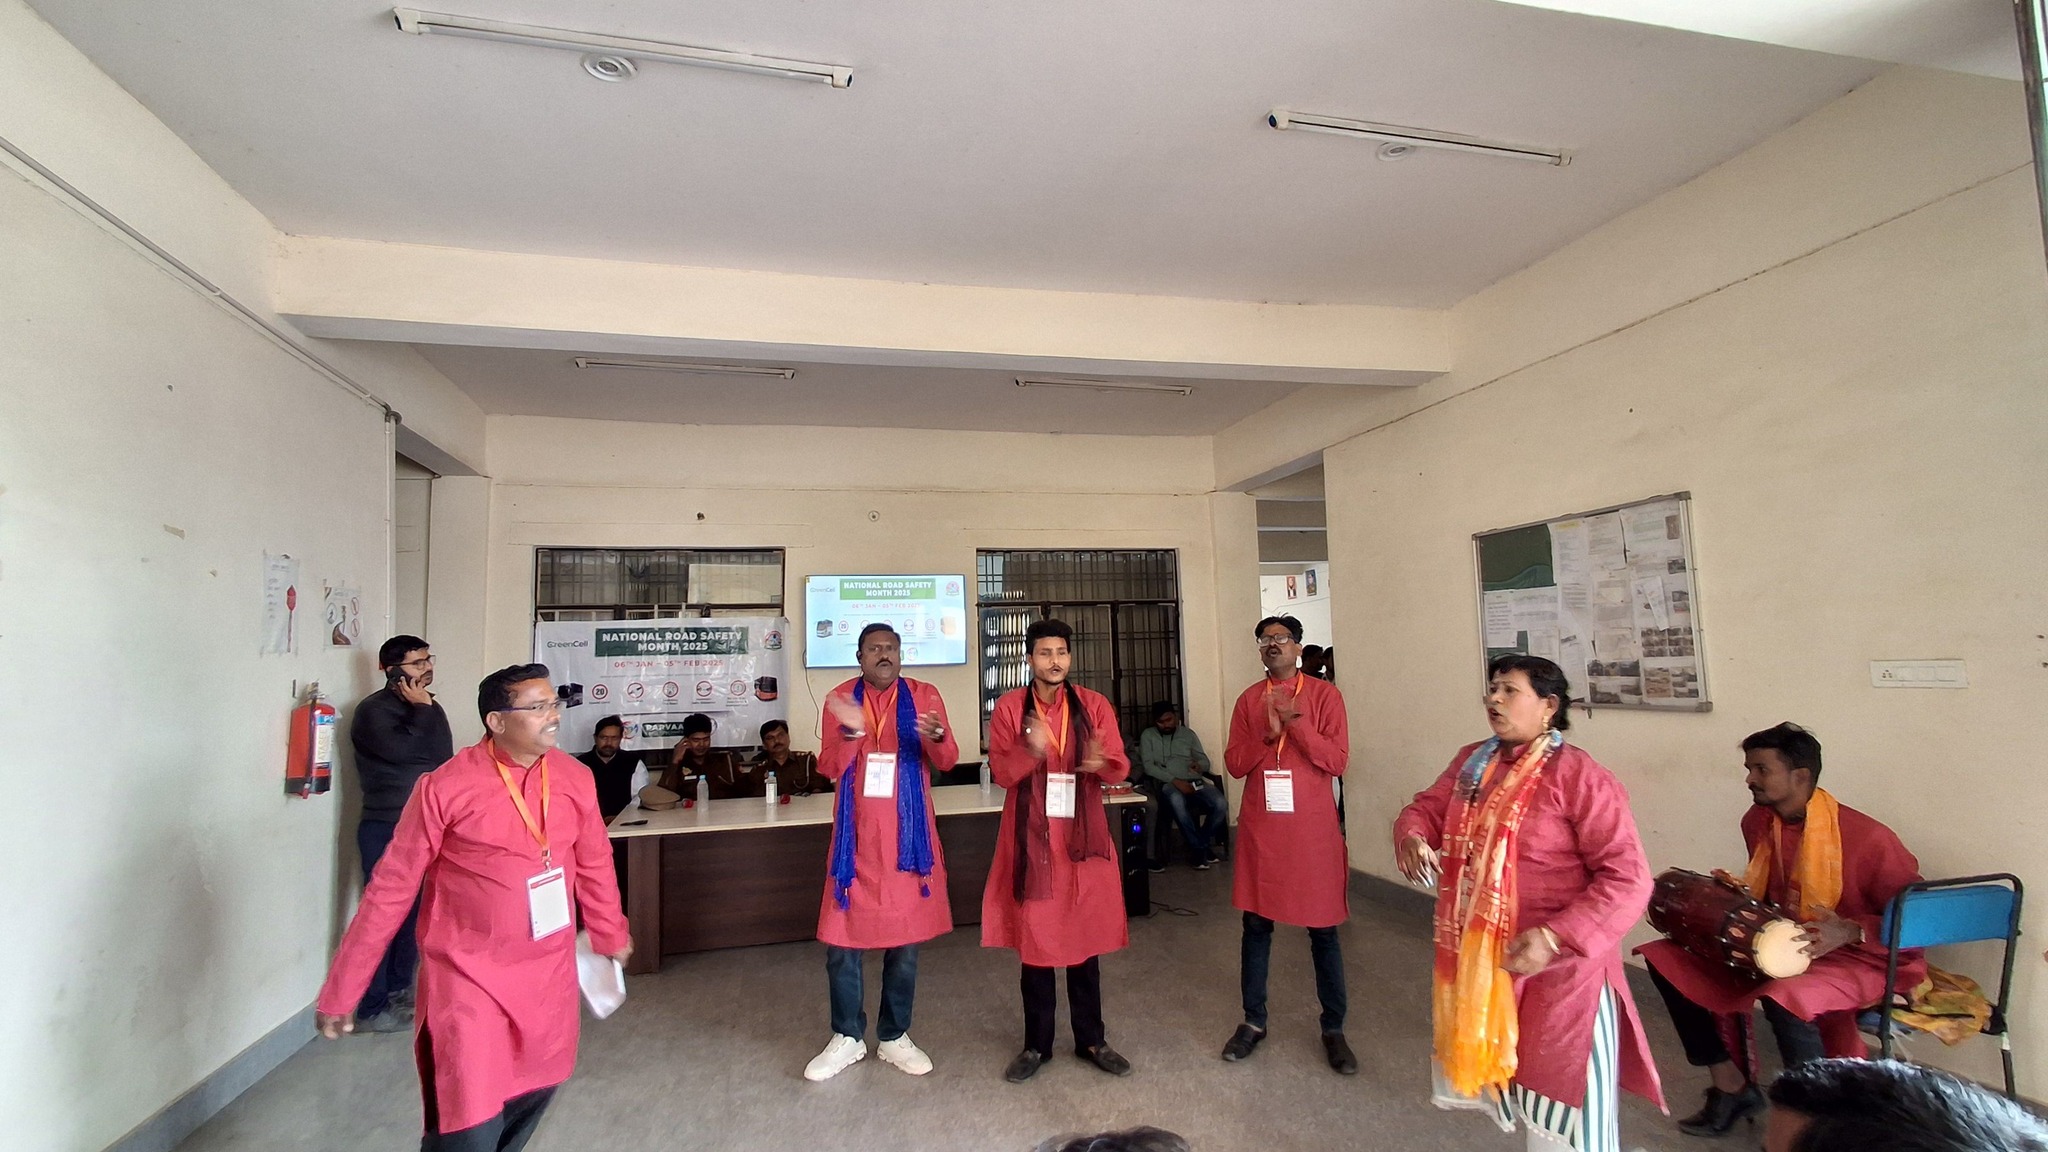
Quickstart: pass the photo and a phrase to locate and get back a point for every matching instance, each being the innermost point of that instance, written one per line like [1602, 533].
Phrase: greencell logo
[889, 588]
[672, 640]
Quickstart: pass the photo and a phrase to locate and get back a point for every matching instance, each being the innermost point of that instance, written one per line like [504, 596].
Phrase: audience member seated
[1147, 1139]
[1827, 866]
[620, 775]
[694, 758]
[796, 773]
[1889, 1106]
[1312, 661]
[1176, 772]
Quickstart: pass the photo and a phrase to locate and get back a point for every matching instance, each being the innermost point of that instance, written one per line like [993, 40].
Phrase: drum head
[1779, 951]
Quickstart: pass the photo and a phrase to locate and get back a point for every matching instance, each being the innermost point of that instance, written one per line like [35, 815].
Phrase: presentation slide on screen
[928, 612]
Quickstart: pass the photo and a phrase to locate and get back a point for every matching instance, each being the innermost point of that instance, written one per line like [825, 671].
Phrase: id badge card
[878, 776]
[1059, 795]
[1279, 790]
[547, 902]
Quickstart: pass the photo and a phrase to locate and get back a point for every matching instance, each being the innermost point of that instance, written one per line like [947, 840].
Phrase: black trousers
[1084, 1005]
[508, 1131]
[1798, 1040]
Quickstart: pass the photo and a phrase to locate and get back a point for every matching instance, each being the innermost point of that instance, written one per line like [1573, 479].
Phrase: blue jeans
[394, 974]
[1323, 948]
[1206, 800]
[899, 989]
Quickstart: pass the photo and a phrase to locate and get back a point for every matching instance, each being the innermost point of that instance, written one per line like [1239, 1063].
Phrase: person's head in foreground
[1147, 1139]
[1889, 1106]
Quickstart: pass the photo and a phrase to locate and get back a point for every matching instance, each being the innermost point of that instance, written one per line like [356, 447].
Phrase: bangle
[1551, 939]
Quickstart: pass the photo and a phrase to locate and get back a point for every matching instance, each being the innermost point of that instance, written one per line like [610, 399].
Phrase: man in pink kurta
[1289, 739]
[884, 735]
[1812, 1014]
[1055, 893]
[496, 844]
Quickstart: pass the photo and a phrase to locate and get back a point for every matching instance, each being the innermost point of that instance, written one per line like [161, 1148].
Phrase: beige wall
[1860, 418]
[869, 501]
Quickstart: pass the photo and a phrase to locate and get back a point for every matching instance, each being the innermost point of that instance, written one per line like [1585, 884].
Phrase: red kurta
[885, 907]
[1582, 874]
[1084, 916]
[1875, 866]
[1291, 867]
[500, 1005]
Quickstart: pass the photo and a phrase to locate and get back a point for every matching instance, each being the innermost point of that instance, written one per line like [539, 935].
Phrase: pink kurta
[1084, 915]
[1291, 867]
[885, 907]
[1582, 874]
[1875, 866]
[500, 1005]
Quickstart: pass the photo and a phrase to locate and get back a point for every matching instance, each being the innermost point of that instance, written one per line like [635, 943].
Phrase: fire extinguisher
[309, 764]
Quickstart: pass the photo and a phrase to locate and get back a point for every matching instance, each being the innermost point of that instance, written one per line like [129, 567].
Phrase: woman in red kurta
[1579, 883]
[497, 1016]
[1289, 739]
[1055, 892]
[877, 895]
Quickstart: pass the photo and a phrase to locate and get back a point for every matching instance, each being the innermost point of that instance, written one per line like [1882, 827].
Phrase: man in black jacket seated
[618, 774]
[400, 734]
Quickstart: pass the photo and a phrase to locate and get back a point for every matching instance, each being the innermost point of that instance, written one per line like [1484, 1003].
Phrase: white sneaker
[905, 1055]
[842, 1053]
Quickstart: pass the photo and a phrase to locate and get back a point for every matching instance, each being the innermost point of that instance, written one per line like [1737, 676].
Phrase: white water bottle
[703, 791]
[771, 790]
[988, 779]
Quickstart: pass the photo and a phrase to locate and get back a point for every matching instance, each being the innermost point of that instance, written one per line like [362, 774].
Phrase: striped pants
[1596, 1125]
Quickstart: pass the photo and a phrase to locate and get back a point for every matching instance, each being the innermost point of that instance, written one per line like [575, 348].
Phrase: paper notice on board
[1604, 550]
[1571, 656]
[1652, 610]
[1543, 642]
[1534, 610]
[1615, 644]
[280, 604]
[1576, 599]
[1652, 536]
[1678, 594]
[1499, 612]
[1570, 558]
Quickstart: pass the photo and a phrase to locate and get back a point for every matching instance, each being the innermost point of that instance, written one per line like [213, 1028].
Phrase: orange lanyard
[1281, 746]
[1056, 731]
[538, 831]
[880, 711]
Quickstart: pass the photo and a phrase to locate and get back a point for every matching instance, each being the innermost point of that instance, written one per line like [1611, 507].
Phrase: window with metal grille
[1124, 607]
[655, 583]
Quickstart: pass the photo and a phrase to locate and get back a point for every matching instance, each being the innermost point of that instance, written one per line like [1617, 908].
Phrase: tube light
[1413, 137]
[420, 23]
[679, 366]
[1105, 385]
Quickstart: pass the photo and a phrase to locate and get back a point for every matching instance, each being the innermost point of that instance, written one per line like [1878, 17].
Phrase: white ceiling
[1977, 36]
[531, 382]
[1065, 144]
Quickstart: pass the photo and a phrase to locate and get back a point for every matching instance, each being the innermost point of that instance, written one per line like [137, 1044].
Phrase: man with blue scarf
[885, 886]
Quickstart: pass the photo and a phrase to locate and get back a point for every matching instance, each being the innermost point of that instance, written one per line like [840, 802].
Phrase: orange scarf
[1816, 874]
[1477, 1026]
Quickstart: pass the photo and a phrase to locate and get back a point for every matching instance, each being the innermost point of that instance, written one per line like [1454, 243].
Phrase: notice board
[1611, 595]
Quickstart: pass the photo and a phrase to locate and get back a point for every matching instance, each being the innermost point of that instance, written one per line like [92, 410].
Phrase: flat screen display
[928, 612]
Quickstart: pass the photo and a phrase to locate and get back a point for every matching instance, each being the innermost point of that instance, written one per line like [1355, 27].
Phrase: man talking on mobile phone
[400, 734]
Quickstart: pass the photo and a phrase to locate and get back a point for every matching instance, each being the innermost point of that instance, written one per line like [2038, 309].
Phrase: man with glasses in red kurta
[510, 845]
[1289, 738]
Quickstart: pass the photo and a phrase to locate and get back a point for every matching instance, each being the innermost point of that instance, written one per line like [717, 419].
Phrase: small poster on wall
[344, 616]
[280, 604]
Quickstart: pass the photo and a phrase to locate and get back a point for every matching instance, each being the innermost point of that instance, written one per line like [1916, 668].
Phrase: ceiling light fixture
[1152, 387]
[627, 47]
[1394, 134]
[680, 366]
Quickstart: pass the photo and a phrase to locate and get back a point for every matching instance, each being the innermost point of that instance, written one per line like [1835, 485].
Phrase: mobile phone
[631, 823]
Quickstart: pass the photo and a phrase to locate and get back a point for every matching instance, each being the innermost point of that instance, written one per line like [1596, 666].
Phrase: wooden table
[733, 873]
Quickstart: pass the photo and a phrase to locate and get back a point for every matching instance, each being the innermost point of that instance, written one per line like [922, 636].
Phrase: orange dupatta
[1473, 996]
[1816, 873]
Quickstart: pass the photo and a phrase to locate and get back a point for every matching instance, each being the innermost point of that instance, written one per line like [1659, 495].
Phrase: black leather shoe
[1107, 1059]
[1339, 1053]
[1024, 1067]
[1242, 1042]
[1722, 1112]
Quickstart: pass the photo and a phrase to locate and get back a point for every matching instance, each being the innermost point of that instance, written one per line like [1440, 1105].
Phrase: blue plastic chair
[1956, 911]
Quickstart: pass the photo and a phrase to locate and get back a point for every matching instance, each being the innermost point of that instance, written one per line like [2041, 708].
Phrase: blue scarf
[913, 829]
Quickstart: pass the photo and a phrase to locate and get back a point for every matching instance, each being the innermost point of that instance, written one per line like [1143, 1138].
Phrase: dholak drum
[1718, 922]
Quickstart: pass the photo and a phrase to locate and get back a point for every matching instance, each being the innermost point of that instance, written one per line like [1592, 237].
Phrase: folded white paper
[602, 979]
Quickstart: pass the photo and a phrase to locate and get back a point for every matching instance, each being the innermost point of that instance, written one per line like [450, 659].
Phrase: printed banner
[654, 673]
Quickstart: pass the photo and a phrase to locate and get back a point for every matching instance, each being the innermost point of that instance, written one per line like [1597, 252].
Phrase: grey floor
[709, 1054]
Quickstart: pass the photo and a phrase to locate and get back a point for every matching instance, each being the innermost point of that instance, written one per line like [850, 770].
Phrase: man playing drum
[1831, 868]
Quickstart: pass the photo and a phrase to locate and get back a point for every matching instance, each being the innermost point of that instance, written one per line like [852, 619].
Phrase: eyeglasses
[1265, 642]
[540, 709]
[422, 662]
